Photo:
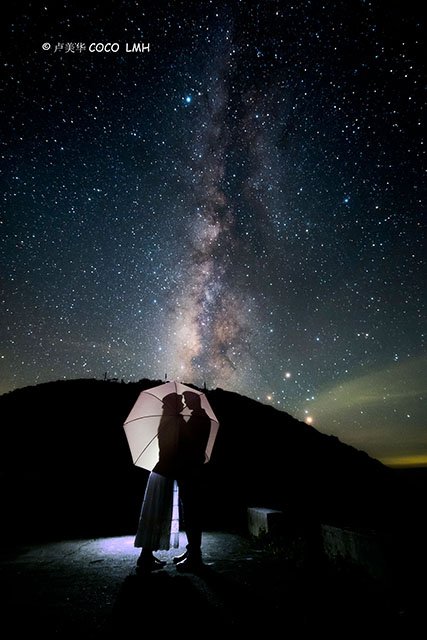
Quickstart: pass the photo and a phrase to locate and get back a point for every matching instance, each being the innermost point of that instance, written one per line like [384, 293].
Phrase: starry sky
[234, 196]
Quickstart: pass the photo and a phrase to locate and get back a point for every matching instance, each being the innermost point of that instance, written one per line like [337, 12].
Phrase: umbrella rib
[155, 415]
[147, 393]
[145, 448]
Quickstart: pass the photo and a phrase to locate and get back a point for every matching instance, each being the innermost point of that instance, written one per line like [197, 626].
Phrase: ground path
[89, 589]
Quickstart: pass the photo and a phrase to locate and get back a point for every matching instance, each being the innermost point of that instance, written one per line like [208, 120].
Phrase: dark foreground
[88, 588]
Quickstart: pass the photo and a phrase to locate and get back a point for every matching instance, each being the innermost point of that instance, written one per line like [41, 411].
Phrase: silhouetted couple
[182, 446]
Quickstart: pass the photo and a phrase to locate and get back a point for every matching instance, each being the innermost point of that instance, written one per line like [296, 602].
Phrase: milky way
[239, 203]
[208, 328]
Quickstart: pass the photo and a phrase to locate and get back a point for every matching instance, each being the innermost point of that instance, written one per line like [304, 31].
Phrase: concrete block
[356, 547]
[262, 521]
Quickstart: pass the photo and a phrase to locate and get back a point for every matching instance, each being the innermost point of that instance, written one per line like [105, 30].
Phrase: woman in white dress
[160, 505]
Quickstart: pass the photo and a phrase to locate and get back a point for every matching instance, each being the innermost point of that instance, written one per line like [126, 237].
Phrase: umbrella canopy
[170, 424]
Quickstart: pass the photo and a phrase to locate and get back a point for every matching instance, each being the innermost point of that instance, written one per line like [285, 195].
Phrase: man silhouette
[193, 439]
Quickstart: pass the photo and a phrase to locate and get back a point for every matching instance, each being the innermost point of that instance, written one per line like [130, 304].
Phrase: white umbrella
[167, 401]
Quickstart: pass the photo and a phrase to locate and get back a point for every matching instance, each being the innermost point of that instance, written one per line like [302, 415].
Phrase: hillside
[67, 470]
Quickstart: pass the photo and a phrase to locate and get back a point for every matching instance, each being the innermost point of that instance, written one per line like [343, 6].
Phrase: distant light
[269, 397]
[288, 375]
[188, 99]
[309, 420]
[412, 460]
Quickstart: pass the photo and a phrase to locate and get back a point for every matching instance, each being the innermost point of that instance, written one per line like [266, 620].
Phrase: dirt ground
[89, 589]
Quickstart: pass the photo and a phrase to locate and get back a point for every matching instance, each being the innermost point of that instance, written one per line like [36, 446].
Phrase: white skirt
[158, 527]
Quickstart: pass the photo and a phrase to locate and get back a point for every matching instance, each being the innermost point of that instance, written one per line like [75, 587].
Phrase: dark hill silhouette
[67, 470]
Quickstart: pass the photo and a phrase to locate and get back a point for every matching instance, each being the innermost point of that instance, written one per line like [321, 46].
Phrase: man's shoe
[159, 563]
[180, 558]
[190, 565]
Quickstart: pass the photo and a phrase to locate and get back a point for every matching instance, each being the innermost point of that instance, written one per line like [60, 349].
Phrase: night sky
[240, 203]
